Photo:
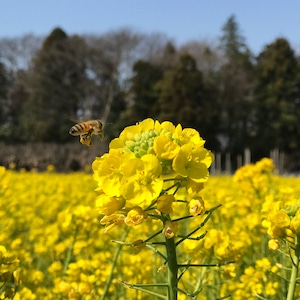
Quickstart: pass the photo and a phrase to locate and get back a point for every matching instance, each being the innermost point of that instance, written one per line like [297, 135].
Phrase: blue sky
[261, 21]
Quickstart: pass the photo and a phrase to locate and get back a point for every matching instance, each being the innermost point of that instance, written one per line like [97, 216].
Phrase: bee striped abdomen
[78, 129]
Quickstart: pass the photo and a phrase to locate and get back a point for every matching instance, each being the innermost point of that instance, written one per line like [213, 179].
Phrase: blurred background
[229, 69]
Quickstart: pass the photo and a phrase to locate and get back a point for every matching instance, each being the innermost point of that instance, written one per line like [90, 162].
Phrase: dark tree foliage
[209, 124]
[56, 87]
[56, 36]
[169, 57]
[14, 108]
[110, 58]
[180, 92]
[236, 81]
[3, 90]
[176, 93]
[233, 99]
[143, 82]
[277, 99]
[100, 85]
[184, 98]
[4, 82]
[114, 123]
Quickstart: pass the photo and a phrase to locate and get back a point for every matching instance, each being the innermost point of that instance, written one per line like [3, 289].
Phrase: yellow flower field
[54, 247]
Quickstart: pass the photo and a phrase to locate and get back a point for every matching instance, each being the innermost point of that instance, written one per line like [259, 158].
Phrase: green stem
[295, 264]
[70, 252]
[110, 277]
[172, 269]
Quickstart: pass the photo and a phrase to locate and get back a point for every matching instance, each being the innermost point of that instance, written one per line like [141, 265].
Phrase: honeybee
[86, 129]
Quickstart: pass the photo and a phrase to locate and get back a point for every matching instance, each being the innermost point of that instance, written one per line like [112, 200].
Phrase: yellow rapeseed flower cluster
[50, 231]
[53, 242]
[9, 274]
[145, 167]
[9, 264]
[256, 203]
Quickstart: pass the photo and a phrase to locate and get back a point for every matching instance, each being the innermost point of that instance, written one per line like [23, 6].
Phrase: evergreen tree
[236, 86]
[179, 93]
[56, 87]
[232, 42]
[184, 98]
[144, 96]
[14, 108]
[4, 83]
[277, 99]
[3, 91]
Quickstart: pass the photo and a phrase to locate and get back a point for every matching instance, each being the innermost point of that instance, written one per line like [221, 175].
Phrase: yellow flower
[137, 138]
[192, 162]
[64, 287]
[263, 263]
[107, 205]
[170, 229]
[165, 127]
[275, 232]
[55, 267]
[229, 271]
[112, 220]
[280, 219]
[265, 165]
[3, 252]
[2, 172]
[108, 172]
[50, 168]
[145, 162]
[213, 237]
[135, 216]
[194, 187]
[196, 206]
[295, 223]
[141, 183]
[164, 203]
[165, 148]
[271, 288]
[273, 244]
[187, 135]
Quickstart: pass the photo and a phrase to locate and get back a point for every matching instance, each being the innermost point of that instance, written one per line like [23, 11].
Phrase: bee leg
[85, 139]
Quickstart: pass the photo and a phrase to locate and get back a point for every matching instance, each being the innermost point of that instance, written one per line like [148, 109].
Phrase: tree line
[234, 98]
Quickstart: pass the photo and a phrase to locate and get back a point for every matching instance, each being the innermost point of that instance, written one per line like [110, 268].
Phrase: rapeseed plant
[149, 169]
[50, 229]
